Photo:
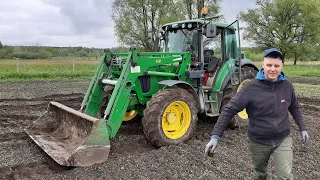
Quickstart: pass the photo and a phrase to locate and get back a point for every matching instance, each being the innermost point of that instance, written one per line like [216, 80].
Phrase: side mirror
[162, 35]
[210, 30]
[242, 55]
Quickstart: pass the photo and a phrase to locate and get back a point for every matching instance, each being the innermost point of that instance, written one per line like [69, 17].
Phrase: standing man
[267, 100]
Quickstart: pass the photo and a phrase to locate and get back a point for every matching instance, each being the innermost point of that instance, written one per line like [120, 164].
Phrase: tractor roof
[201, 21]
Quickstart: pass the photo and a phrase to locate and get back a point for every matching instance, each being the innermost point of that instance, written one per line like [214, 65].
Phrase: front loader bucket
[70, 137]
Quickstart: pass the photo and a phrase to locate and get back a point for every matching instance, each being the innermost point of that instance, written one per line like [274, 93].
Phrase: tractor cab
[209, 43]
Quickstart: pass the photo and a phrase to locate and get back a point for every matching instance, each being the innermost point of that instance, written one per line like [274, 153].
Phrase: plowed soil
[131, 156]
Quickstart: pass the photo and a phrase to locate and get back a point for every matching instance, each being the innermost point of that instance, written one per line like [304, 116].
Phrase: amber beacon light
[204, 11]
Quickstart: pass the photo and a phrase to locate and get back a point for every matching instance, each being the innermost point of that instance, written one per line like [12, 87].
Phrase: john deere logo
[158, 61]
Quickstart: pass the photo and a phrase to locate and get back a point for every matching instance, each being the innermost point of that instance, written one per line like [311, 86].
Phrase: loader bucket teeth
[70, 137]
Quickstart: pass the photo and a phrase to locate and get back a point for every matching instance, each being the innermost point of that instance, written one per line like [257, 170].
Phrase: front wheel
[170, 117]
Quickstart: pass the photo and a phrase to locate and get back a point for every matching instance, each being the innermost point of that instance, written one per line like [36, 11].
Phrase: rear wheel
[170, 117]
[247, 73]
[228, 92]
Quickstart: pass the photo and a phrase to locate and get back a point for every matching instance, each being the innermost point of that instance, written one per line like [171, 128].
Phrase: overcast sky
[72, 22]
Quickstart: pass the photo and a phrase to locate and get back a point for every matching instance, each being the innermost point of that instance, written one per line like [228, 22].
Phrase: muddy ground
[131, 156]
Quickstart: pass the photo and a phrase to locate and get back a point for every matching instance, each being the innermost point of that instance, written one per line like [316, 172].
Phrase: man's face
[272, 68]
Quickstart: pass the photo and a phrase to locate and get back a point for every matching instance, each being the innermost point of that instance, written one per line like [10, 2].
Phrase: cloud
[231, 8]
[86, 16]
[72, 22]
[57, 23]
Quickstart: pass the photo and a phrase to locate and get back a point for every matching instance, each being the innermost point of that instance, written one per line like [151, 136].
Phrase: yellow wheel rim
[176, 119]
[243, 114]
[130, 115]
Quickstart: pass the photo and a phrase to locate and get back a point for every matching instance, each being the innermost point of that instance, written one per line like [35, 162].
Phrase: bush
[6, 51]
[253, 56]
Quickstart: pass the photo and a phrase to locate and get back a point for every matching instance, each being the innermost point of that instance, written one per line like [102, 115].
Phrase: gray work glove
[305, 136]
[211, 146]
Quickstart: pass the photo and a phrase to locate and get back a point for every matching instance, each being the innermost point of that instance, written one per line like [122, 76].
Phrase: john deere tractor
[195, 73]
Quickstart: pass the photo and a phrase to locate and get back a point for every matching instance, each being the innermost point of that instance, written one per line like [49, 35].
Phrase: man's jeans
[283, 155]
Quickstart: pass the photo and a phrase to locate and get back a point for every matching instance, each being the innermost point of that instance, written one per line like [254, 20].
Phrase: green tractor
[195, 73]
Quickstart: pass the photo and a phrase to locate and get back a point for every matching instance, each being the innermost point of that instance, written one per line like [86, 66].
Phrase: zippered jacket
[267, 104]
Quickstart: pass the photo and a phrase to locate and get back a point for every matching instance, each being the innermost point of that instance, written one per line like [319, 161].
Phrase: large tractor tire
[247, 73]
[228, 92]
[170, 117]
[130, 116]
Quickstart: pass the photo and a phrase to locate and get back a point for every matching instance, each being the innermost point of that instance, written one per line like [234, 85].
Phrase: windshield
[181, 40]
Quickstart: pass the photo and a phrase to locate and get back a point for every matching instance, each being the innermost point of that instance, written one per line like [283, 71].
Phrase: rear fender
[249, 64]
[228, 76]
[183, 85]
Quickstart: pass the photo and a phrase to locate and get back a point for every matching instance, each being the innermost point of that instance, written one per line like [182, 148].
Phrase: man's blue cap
[273, 50]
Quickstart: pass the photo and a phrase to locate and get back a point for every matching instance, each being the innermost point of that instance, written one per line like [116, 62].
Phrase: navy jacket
[267, 104]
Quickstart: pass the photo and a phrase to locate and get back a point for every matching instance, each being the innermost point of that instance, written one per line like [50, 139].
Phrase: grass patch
[302, 70]
[27, 70]
[307, 90]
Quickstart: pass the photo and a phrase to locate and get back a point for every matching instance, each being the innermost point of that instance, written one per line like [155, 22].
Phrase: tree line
[256, 54]
[47, 52]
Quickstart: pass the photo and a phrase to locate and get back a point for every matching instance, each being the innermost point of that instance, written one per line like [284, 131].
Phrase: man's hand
[305, 136]
[211, 146]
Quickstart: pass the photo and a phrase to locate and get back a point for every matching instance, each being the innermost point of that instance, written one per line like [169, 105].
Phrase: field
[131, 156]
[84, 68]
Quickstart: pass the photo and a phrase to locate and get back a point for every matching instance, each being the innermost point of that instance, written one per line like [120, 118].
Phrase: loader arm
[137, 64]
[119, 101]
